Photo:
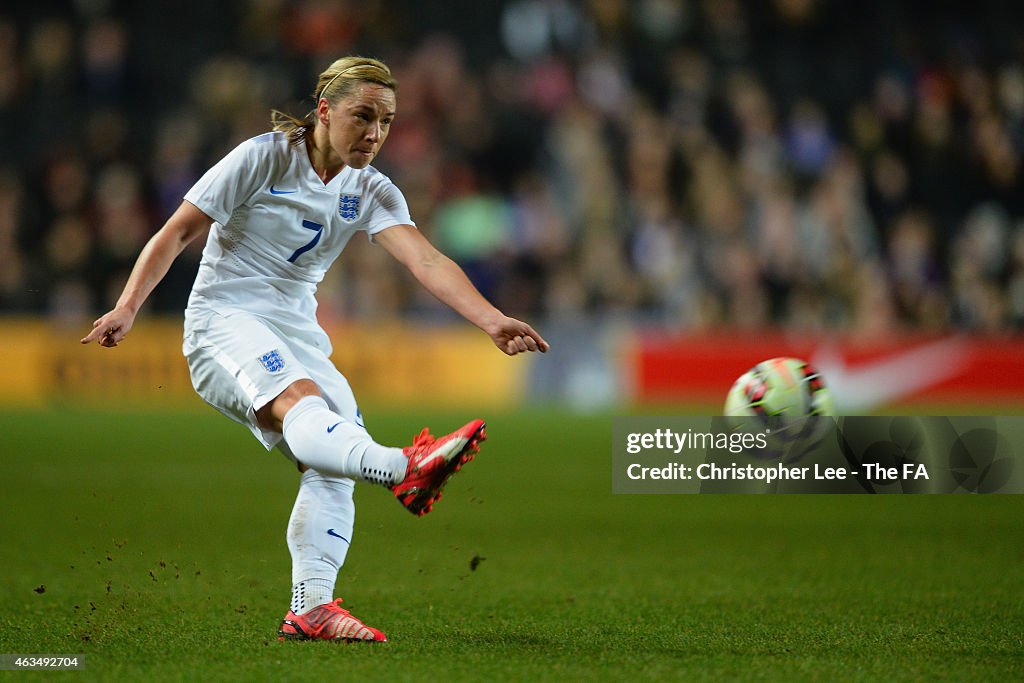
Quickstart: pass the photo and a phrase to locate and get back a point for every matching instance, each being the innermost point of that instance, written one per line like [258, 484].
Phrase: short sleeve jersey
[278, 228]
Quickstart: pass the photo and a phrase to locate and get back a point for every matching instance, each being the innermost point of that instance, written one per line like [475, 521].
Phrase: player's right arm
[186, 224]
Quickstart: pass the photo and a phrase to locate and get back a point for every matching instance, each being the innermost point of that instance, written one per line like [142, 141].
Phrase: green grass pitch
[154, 545]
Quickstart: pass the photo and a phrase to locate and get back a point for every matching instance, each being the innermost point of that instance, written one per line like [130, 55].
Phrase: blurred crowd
[809, 164]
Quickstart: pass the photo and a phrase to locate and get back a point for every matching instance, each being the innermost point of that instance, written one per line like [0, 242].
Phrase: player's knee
[271, 416]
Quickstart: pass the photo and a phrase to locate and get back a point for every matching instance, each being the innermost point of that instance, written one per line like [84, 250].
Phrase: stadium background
[670, 190]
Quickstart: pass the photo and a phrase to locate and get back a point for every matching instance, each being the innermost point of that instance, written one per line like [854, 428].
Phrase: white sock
[325, 441]
[319, 534]
[311, 593]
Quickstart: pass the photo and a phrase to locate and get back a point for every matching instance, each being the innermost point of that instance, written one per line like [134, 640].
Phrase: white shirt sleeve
[388, 209]
[230, 182]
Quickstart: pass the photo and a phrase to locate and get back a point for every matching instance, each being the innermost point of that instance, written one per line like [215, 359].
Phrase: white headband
[324, 89]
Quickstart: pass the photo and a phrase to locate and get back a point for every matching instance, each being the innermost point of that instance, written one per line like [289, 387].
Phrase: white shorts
[241, 362]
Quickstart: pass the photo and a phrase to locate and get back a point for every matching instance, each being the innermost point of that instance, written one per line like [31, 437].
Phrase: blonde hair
[335, 82]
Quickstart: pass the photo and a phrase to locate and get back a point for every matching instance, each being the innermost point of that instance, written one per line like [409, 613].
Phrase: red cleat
[433, 461]
[327, 622]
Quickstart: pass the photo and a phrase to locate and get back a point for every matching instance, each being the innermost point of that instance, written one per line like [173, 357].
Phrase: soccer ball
[780, 386]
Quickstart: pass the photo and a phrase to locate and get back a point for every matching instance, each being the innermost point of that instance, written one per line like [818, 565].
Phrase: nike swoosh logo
[273, 191]
[332, 532]
[447, 452]
[331, 428]
[867, 385]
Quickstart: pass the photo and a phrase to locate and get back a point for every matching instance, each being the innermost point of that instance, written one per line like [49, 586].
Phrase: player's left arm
[445, 279]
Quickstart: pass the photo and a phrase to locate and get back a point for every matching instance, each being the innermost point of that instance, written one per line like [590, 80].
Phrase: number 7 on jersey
[310, 225]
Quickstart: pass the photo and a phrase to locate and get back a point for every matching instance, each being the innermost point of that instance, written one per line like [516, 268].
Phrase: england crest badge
[272, 361]
[348, 207]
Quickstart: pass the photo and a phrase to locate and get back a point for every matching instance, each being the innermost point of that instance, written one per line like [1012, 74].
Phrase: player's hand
[514, 336]
[111, 328]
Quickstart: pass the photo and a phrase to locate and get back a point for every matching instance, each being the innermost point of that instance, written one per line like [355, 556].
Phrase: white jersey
[278, 228]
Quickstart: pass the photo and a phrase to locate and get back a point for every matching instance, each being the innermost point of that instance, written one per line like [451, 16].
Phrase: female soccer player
[280, 208]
